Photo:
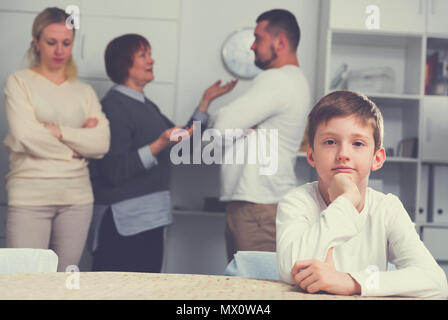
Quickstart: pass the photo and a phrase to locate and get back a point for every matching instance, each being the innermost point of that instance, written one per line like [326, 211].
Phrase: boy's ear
[310, 156]
[378, 159]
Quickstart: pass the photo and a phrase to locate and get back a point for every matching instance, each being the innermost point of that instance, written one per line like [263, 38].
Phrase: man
[271, 113]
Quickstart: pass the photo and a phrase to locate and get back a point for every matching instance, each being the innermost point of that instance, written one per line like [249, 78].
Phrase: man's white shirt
[278, 101]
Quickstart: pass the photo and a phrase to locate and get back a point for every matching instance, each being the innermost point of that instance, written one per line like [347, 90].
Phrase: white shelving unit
[409, 30]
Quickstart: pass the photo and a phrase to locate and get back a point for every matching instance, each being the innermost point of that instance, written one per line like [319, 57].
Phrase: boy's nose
[343, 154]
[343, 158]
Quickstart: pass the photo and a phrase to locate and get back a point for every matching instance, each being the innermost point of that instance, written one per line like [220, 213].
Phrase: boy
[337, 235]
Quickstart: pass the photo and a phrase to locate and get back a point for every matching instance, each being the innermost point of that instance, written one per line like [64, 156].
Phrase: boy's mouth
[343, 169]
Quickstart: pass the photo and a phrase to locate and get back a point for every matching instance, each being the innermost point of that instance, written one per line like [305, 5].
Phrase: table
[155, 286]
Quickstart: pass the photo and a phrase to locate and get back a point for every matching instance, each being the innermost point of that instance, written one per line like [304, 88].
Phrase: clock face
[237, 56]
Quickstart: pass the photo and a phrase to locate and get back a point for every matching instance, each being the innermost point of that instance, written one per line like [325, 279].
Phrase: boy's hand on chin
[342, 184]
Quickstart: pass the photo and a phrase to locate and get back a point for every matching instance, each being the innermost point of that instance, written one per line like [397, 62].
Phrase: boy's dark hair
[119, 55]
[346, 103]
[282, 21]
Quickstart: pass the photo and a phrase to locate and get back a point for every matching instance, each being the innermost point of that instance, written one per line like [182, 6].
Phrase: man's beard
[263, 65]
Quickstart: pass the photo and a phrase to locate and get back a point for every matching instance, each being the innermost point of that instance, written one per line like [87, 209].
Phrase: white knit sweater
[42, 168]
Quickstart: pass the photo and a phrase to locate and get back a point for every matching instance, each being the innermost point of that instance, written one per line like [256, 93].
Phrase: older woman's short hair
[119, 55]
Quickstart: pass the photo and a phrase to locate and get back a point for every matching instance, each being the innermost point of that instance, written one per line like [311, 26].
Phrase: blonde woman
[55, 125]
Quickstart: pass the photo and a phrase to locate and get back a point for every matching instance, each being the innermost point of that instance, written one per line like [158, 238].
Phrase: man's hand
[314, 276]
[342, 184]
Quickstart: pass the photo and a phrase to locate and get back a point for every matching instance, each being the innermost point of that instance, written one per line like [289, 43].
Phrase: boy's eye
[358, 143]
[329, 142]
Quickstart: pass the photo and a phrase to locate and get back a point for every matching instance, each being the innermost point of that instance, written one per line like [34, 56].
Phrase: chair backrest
[260, 265]
[254, 264]
[391, 267]
[27, 260]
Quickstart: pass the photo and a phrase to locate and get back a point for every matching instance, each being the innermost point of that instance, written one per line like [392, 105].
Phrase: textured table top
[154, 286]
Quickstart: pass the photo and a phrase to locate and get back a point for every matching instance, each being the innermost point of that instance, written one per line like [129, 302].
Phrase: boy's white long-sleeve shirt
[363, 242]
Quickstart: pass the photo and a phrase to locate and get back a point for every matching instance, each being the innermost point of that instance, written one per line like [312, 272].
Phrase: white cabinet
[166, 9]
[435, 132]
[3, 216]
[103, 20]
[437, 21]
[97, 32]
[35, 6]
[15, 41]
[401, 54]
[440, 199]
[435, 241]
[415, 16]
[187, 251]
[406, 16]
[422, 210]
[157, 21]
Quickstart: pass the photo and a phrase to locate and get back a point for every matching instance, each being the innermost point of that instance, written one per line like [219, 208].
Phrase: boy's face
[344, 145]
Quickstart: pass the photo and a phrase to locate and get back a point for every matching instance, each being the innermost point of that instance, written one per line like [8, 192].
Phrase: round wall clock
[237, 55]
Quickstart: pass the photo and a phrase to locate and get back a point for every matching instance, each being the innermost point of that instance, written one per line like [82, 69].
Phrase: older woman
[132, 201]
[55, 123]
